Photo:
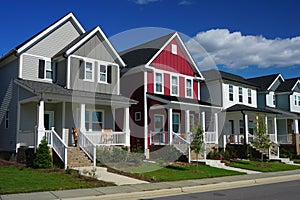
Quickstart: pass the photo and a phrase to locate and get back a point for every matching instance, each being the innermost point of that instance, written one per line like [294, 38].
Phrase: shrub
[43, 158]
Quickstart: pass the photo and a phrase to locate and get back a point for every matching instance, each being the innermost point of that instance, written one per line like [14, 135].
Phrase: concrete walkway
[147, 190]
[101, 173]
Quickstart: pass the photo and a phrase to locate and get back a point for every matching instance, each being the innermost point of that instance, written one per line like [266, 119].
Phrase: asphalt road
[275, 191]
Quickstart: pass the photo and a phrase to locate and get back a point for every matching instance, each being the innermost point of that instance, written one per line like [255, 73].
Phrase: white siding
[227, 103]
[293, 107]
[269, 99]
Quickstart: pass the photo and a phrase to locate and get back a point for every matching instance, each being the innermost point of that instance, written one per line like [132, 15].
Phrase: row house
[63, 77]
[163, 77]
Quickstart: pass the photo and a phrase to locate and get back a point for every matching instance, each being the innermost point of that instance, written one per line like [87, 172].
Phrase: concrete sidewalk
[146, 190]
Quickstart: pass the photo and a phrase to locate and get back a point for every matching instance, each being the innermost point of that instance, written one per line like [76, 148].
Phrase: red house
[163, 77]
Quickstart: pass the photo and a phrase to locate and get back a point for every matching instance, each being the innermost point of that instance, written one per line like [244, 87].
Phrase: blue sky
[248, 37]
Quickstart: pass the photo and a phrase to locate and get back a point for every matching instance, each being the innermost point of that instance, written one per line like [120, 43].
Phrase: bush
[43, 158]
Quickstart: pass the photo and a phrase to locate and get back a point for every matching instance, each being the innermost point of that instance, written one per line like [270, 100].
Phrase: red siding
[150, 79]
[195, 88]
[181, 86]
[167, 84]
[174, 63]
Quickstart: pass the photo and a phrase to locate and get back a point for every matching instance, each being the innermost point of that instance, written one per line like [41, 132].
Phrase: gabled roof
[288, 85]
[145, 53]
[241, 107]
[214, 74]
[266, 82]
[25, 45]
[80, 40]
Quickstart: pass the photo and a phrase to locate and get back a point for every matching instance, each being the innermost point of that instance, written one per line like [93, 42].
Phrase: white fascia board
[49, 29]
[279, 76]
[298, 82]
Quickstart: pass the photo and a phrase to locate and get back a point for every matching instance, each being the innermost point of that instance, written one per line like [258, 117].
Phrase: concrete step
[77, 158]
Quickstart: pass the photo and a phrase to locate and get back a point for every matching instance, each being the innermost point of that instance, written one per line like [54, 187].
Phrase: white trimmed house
[63, 77]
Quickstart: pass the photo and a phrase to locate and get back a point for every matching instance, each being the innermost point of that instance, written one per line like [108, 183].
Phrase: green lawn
[263, 167]
[20, 180]
[176, 173]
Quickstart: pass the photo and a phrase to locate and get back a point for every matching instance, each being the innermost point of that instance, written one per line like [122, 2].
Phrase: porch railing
[58, 145]
[106, 138]
[272, 137]
[210, 137]
[87, 146]
[26, 138]
[284, 139]
[181, 144]
[158, 138]
[235, 138]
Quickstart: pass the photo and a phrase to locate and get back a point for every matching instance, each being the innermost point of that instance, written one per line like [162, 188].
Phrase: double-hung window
[174, 86]
[242, 127]
[88, 71]
[176, 122]
[103, 73]
[46, 68]
[240, 94]
[158, 82]
[188, 88]
[298, 100]
[274, 100]
[249, 96]
[230, 92]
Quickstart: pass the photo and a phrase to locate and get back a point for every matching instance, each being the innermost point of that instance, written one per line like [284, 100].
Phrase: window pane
[174, 80]
[189, 92]
[48, 65]
[174, 90]
[188, 83]
[102, 77]
[158, 87]
[158, 77]
[87, 116]
[88, 66]
[49, 74]
[103, 68]
[88, 75]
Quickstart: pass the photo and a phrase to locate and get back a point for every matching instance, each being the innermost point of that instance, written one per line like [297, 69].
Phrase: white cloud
[236, 51]
[184, 2]
[144, 2]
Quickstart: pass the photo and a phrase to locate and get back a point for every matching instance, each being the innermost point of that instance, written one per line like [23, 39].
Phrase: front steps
[77, 158]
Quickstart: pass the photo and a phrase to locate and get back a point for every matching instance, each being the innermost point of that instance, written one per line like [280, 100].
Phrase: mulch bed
[5, 163]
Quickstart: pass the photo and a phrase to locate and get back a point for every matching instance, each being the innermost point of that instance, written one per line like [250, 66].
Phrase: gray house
[63, 77]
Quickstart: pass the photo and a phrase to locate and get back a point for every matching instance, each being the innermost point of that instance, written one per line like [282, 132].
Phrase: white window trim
[192, 89]
[241, 94]
[52, 63]
[99, 72]
[93, 70]
[171, 88]
[174, 49]
[162, 82]
[179, 124]
[163, 119]
[249, 92]
[90, 118]
[136, 118]
[229, 92]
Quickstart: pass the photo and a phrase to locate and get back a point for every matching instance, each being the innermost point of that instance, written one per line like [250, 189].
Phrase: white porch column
[187, 122]
[41, 126]
[296, 126]
[113, 111]
[246, 128]
[204, 134]
[82, 117]
[217, 129]
[266, 124]
[170, 124]
[275, 129]
[126, 127]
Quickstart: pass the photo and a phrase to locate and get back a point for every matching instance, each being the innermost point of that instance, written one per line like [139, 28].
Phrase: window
[158, 82]
[174, 49]
[242, 127]
[298, 100]
[189, 88]
[174, 85]
[176, 122]
[249, 96]
[94, 120]
[137, 116]
[192, 122]
[103, 73]
[295, 99]
[240, 94]
[231, 127]
[7, 119]
[230, 92]
[274, 99]
[251, 127]
[88, 71]
[158, 123]
[46, 68]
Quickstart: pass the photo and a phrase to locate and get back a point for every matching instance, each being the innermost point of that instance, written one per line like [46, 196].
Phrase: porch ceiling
[57, 92]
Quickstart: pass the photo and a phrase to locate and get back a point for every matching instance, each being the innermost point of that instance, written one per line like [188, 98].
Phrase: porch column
[266, 124]
[246, 129]
[187, 122]
[41, 126]
[216, 129]
[82, 117]
[204, 135]
[296, 126]
[170, 124]
[275, 128]
[126, 128]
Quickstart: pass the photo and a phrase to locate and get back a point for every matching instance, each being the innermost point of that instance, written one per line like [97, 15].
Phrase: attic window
[174, 49]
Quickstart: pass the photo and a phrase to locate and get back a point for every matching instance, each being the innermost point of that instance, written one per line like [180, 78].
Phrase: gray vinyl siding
[261, 100]
[8, 101]
[24, 94]
[61, 74]
[283, 101]
[79, 84]
[28, 116]
[57, 109]
[95, 48]
[55, 41]
[30, 67]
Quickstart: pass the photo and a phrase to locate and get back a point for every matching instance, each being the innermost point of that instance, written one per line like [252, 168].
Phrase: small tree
[43, 157]
[262, 140]
[197, 144]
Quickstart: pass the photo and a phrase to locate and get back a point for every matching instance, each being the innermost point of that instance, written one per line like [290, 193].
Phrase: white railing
[181, 144]
[235, 138]
[106, 138]
[210, 137]
[158, 138]
[58, 145]
[87, 146]
[284, 139]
